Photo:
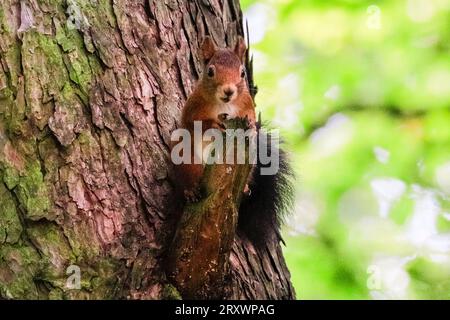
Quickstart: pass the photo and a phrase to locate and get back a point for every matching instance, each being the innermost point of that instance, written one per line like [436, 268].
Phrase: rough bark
[89, 94]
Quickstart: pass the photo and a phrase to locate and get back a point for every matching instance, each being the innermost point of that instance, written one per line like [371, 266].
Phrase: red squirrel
[221, 93]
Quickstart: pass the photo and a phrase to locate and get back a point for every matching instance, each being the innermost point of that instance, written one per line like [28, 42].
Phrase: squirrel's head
[224, 74]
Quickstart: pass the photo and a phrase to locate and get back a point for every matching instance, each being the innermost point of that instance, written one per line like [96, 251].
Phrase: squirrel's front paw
[223, 116]
[219, 126]
[192, 195]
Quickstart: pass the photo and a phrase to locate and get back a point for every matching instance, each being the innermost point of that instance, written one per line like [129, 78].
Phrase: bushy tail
[262, 212]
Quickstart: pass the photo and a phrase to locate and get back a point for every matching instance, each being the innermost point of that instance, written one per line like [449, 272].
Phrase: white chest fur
[202, 150]
[230, 109]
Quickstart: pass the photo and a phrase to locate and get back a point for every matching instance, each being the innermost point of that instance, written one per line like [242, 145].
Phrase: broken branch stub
[198, 257]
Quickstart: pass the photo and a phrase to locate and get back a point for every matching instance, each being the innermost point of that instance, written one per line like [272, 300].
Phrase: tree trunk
[89, 94]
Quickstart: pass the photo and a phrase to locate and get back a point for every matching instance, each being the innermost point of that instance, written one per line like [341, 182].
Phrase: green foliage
[362, 95]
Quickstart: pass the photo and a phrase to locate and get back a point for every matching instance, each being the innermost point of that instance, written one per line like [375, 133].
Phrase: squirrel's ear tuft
[240, 48]
[208, 49]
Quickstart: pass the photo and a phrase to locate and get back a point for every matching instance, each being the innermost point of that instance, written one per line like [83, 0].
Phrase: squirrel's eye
[243, 73]
[210, 72]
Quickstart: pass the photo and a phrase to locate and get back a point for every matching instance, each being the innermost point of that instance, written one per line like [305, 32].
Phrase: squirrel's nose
[229, 92]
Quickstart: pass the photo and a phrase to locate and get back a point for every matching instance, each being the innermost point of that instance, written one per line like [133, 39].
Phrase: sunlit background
[361, 93]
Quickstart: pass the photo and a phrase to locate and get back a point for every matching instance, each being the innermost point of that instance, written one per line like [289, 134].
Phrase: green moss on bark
[11, 177]
[10, 226]
[13, 60]
[75, 58]
[49, 239]
[18, 268]
[171, 293]
[3, 25]
[5, 94]
[32, 192]
[56, 294]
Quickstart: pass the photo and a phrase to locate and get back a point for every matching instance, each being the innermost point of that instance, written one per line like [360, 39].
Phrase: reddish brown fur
[204, 103]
